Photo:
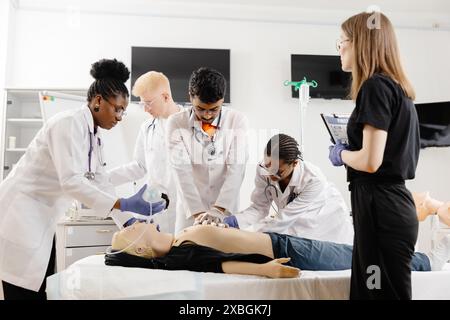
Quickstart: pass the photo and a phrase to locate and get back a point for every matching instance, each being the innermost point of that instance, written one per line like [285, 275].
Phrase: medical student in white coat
[151, 158]
[292, 196]
[63, 162]
[208, 152]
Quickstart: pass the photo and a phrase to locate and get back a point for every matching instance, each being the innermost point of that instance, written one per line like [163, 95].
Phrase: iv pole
[303, 88]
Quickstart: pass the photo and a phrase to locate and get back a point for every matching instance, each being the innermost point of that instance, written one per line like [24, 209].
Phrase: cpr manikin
[427, 206]
[230, 250]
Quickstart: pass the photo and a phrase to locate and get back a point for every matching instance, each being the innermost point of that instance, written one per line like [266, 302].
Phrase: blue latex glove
[136, 204]
[133, 220]
[231, 221]
[335, 154]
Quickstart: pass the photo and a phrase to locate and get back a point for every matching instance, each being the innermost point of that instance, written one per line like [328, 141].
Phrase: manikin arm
[271, 269]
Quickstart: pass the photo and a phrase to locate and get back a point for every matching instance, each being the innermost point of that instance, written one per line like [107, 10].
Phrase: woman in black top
[383, 151]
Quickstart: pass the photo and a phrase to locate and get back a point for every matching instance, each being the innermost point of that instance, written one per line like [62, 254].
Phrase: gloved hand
[213, 217]
[136, 204]
[335, 154]
[231, 221]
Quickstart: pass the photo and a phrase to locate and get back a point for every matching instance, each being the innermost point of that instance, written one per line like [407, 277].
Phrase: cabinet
[76, 240]
[21, 120]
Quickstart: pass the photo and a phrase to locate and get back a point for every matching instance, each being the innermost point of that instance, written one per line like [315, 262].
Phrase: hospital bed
[90, 278]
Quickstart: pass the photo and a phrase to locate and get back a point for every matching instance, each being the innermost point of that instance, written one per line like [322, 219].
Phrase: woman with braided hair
[306, 204]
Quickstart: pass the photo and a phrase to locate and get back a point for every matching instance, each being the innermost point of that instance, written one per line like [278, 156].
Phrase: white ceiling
[438, 6]
[404, 13]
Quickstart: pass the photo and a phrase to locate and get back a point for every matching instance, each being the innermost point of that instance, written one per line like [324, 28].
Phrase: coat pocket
[26, 221]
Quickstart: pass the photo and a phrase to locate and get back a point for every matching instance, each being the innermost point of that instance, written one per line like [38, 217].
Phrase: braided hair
[285, 146]
[208, 85]
[110, 77]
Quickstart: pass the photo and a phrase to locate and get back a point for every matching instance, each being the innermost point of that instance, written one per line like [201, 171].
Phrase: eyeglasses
[269, 172]
[144, 104]
[120, 111]
[339, 43]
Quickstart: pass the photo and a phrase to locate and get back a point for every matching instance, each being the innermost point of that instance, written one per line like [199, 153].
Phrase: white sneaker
[440, 254]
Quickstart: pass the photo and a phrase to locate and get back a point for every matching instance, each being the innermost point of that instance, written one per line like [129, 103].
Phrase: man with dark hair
[307, 205]
[208, 151]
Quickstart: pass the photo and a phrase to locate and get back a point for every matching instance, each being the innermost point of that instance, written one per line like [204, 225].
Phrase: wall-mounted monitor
[434, 121]
[326, 70]
[178, 64]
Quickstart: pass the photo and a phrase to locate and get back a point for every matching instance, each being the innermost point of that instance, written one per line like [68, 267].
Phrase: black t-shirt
[383, 104]
[187, 256]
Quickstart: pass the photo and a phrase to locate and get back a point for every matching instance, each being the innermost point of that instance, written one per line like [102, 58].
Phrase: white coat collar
[297, 174]
[89, 118]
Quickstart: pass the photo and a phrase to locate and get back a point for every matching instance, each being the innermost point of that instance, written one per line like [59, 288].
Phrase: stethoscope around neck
[267, 189]
[209, 143]
[90, 175]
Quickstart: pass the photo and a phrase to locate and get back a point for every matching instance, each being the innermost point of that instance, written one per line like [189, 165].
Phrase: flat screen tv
[333, 83]
[434, 121]
[178, 64]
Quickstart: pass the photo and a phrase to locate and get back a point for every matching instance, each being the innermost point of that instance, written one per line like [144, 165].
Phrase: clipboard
[336, 125]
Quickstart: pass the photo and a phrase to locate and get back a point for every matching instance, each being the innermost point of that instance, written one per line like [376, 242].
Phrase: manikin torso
[227, 239]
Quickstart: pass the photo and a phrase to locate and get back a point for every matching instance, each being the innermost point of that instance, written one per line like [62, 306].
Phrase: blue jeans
[307, 254]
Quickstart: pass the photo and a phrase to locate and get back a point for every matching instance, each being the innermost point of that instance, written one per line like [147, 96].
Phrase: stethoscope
[267, 189]
[152, 126]
[211, 148]
[89, 174]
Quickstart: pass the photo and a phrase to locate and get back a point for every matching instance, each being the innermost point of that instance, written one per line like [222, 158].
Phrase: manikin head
[281, 155]
[207, 92]
[143, 240]
[153, 88]
[108, 96]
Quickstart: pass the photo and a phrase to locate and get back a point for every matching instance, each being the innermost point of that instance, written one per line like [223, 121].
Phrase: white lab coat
[151, 159]
[204, 179]
[317, 210]
[38, 191]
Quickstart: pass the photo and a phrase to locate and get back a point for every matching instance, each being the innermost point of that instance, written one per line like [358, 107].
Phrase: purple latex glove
[136, 204]
[231, 221]
[335, 154]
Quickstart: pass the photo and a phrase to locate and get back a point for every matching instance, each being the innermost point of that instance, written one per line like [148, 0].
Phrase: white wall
[56, 49]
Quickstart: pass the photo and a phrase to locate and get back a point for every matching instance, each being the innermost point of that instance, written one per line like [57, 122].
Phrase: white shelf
[17, 150]
[25, 120]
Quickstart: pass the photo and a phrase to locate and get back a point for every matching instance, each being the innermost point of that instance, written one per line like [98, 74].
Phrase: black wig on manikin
[283, 147]
[110, 77]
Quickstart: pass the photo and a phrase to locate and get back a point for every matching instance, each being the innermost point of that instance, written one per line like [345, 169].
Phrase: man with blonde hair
[150, 155]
